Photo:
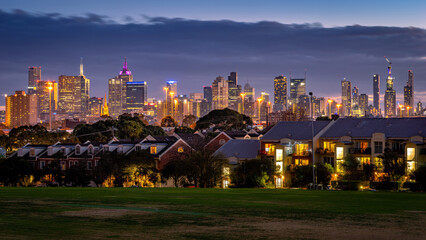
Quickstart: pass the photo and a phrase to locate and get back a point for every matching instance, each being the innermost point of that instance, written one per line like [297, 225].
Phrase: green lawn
[135, 213]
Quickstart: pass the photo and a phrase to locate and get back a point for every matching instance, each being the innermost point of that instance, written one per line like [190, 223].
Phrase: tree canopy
[225, 119]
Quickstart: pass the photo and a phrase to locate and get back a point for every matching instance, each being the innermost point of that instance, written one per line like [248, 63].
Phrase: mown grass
[41, 213]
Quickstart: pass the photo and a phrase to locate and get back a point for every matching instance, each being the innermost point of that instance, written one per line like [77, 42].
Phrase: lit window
[226, 171]
[410, 154]
[339, 153]
[180, 149]
[301, 149]
[279, 166]
[270, 149]
[153, 149]
[279, 155]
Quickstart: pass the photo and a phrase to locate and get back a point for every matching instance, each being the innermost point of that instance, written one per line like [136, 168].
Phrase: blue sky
[189, 41]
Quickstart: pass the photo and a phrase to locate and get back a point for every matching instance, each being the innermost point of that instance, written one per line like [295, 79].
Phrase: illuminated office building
[117, 91]
[95, 106]
[136, 96]
[208, 94]
[234, 91]
[34, 75]
[21, 109]
[390, 96]
[297, 89]
[409, 93]
[363, 103]
[44, 103]
[250, 93]
[280, 93]
[376, 92]
[220, 93]
[355, 96]
[346, 98]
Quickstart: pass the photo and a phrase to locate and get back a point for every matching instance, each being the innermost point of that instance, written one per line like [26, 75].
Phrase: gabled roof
[301, 130]
[240, 148]
[365, 127]
[193, 139]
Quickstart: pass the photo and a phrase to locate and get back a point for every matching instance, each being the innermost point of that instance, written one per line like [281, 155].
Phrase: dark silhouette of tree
[14, 170]
[393, 164]
[254, 173]
[224, 119]
[168, 121]
[189, 121]
[77, 175]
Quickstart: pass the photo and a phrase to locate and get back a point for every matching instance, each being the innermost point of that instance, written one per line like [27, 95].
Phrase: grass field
[132, 213]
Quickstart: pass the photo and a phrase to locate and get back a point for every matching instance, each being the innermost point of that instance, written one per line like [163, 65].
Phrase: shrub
[420, 176]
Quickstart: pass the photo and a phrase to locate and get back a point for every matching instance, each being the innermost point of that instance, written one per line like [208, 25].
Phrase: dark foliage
[254, 173]
[225, 119]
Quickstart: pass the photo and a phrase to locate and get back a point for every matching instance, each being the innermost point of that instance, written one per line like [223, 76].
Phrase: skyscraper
[117, 91]
[297, 89]
[363, 103]
[409, 93]
[346, 98]
[355, 97]
[21, 109]
[220, 93]
[95, 106]
[250, 93]
[136, 96]
[234, 91]
[376, 92]
[45, 105]
[34, 75]
[280, 93]
[74, 93]
[390, 96]
[208, 94]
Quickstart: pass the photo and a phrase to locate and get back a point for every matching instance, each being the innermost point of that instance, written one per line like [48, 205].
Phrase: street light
[267, 114]
[400, 110]
[408, 110]
[329, 107]
[165, 109]
[259, 100]
[338, 108]
[49, 87]
[243, 95]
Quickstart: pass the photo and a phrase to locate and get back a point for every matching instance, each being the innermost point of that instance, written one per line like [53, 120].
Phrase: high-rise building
[208, 94]
[117, 91]
[376, 92]
[74, 93]
[196, 96]
[47, 95]
[21, 109]
[136, 95]
[249, 91]
[95, 106]
[409, 93]
[355, 96]
[34, 75]
[234, 91]
[297, 89]
[280, 93]
[390, 96]
[363, 103]
[419, 108]
[2, 114]
[346, 98]
[220, 93]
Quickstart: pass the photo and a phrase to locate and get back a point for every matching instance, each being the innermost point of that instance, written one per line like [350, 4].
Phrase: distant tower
[208, 93]
[117, 91]
[250, 92]
[220, 93]
[355, 96]
[280, 93]
[105, 111]
[81, 66]
[409, 92]
[234, 91]
[297, 89]
[346, 98]
[34, 75]
[390, 95]
[376, 92]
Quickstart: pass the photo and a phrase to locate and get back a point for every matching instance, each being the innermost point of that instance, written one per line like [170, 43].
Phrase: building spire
[81, 66]
[125, 70]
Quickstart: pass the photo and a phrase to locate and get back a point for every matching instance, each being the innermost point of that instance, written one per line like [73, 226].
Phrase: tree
[303, 174]
[394, 165]
[14, 170]
[130, 129]
[178, 170]
[350, 165]
[184, 130]
[420, 176]
[189, 121]
[168, 121]
[323, 173]
[254, 173]
[224, 119]
[77, 175]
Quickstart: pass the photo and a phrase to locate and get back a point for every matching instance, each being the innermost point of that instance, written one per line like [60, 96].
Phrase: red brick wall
[173, 154]
[214, 145]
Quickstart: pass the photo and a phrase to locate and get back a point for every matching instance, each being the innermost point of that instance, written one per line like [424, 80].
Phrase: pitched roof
[365, 127]
[240, 148]
[301, 130]
[192, 139]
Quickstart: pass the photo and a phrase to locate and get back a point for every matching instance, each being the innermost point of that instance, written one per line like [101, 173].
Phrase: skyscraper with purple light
[117, 91]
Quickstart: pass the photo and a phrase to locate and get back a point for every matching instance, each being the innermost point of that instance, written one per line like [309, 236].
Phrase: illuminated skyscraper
[297, 89]
[136, 95]
[346, 98]
[220, 93]
[95, 106]
[74, 93]
[419, 108]
[250, 93]
[234, 91]
[117, 91]
[42, 92]
[390, 96]
[21, 109]
[280, 93]
[409, 93]
[355, 97]
[34, 75]
[208, 93]
[376, 92]
[363, 103]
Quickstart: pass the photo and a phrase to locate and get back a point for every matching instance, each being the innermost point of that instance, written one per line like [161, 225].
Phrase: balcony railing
[324, 151]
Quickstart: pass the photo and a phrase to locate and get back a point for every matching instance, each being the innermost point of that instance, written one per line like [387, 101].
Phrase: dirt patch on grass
[102, 213]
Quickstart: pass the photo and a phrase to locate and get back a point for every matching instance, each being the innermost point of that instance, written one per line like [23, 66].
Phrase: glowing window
[269, 149]
[329, 146]
[153, 149]
[180, 149]
[302, 149]
[279, 166]
[279, 155]
[411, 152]
[410, 166]
[63, 165]
[339, 153]
[226, 171]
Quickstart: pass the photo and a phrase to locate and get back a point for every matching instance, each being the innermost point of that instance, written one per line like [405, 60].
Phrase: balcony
[366, 151]
[325, 151]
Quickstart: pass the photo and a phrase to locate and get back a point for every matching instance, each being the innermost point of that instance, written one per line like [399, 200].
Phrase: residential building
[21, 109]
[280, 93]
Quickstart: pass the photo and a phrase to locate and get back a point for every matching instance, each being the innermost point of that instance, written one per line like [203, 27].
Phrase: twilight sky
[195, 41]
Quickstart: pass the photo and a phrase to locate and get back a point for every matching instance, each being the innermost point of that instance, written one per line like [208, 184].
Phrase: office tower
[280, 93]
[136, 96]
[376, 92]
[320, 106]
[46, 92]
[74, 93]
[34, 75]
[355, 96]
[220, 93]
[346, 98]
[21, 109]
[297, 89]
[363, 103]
[390, 96]
[2, 114]
[117, 91]
[234, 91]
[419, 108]
[172, 86]
[409, 93]
[264, 96]
[196, 96]
[249, 91]
[208, 94]
[95, 106]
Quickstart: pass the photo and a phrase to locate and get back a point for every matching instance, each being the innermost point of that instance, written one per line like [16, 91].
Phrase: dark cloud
[195, 51]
